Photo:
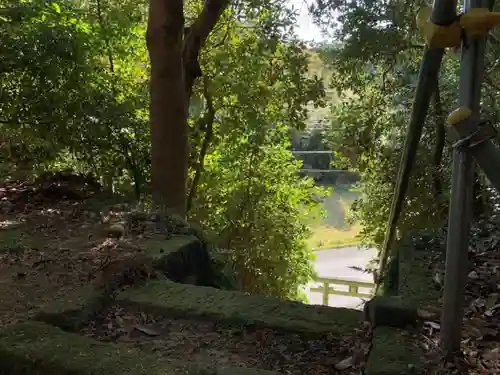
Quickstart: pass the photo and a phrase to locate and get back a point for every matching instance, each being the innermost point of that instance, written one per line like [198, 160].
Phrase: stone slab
[74, 309]
[38, 348]
[393, 353]
[188, 300]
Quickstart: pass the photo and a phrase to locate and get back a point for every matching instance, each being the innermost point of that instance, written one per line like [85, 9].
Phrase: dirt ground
[50, 245]
[481, 321]
[52, 241]
[221, 345]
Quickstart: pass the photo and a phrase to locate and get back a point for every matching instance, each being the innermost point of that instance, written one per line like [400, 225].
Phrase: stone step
[393, 353]
[77, 307]
[38, 348]
[74, 309]
[188, 300]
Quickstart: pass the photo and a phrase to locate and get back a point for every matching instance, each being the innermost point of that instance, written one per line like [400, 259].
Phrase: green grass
[334, 231]
[327, 237]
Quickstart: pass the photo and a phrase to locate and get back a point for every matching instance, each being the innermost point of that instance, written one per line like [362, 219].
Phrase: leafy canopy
[74, 80]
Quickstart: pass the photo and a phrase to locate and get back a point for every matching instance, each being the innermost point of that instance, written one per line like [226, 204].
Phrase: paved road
[335, 263]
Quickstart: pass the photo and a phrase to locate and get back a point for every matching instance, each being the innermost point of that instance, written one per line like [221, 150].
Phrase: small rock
[473, 275]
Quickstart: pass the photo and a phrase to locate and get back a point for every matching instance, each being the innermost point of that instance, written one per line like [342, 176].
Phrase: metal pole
[471, 76]
[487, 156]
[443, 12]
[431, 63]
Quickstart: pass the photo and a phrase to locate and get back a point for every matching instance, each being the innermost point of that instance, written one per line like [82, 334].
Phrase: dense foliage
[74, 81]
[73, 91]
[375, 63]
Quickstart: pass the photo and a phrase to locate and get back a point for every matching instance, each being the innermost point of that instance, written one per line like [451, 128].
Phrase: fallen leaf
[491, 311]
[432, 325]
[344, 364]
[147, 331]
[426, 314]
[493, 354]
[119, 320]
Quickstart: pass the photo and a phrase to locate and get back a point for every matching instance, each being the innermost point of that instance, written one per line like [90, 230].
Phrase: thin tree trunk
[168, 107]
[208, 123]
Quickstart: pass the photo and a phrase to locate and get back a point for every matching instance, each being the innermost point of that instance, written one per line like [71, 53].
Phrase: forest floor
[481, 321]
[219, 344]
[51, 246]
[481, 335]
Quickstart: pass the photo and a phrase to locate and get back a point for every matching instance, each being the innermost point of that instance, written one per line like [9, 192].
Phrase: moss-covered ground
[239, 308]
[396, 351]
[51, 252]
[37, 348]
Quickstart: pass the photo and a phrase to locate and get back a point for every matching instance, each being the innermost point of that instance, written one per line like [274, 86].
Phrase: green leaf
[56, 7]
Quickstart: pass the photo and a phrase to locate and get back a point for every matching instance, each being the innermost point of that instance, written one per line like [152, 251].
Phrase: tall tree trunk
[174, 51]
[168, 107]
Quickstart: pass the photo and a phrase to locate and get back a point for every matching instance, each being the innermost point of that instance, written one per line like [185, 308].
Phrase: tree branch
[195, 39]
[224, 38]
[384, 74]
[208, 121]
[105, 37]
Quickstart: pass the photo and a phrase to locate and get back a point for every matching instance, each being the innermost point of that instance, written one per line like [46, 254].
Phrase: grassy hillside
[334, 230]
